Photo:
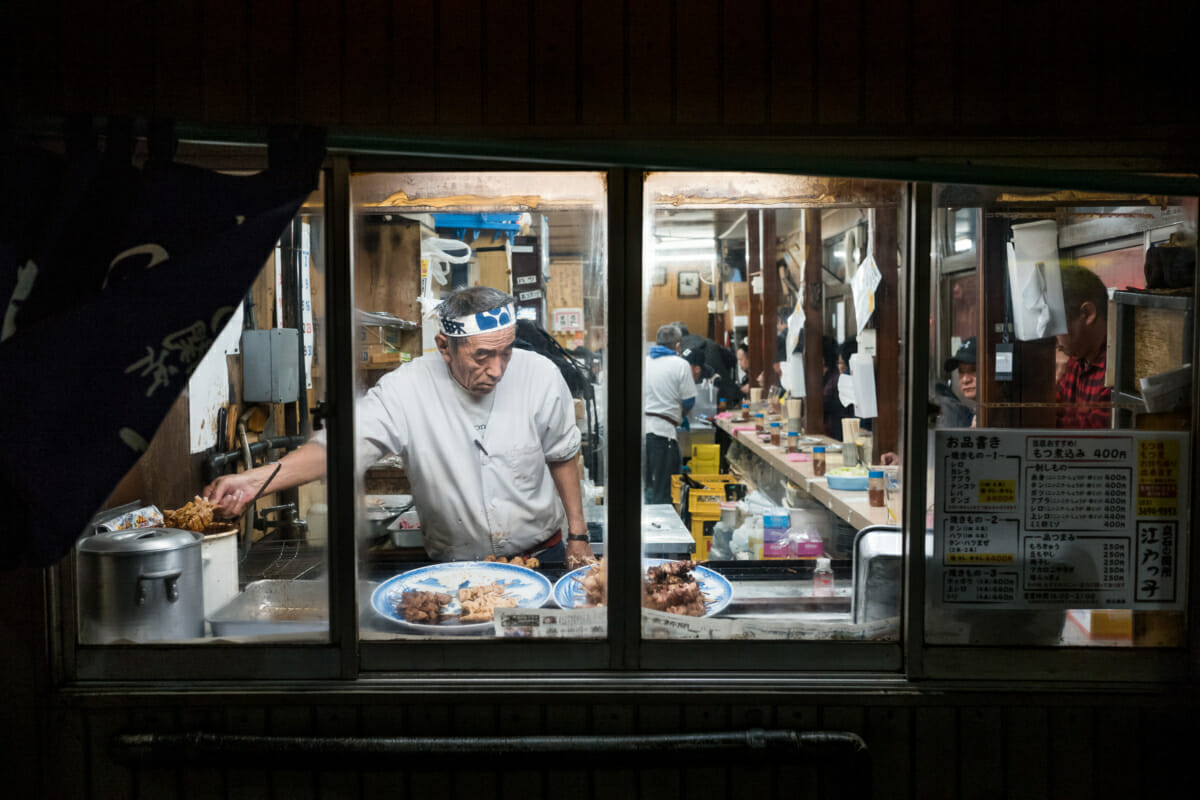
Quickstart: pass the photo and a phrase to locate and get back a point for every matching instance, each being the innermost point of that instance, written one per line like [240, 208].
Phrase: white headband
[482, 322]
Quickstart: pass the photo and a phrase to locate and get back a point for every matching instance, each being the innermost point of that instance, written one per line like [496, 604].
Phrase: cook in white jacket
[487, 435]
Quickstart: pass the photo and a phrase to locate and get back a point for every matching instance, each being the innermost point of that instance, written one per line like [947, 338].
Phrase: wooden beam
[770, 295]
[888, 360]
[754, 325]
[814, 325]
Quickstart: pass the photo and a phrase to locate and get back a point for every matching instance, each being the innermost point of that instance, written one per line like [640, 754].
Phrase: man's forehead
[491, 340]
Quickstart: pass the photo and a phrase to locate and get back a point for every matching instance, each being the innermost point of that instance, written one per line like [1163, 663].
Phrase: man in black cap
[958, 396]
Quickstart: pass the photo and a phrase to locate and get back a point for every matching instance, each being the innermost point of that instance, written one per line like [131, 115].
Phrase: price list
[1043, 519]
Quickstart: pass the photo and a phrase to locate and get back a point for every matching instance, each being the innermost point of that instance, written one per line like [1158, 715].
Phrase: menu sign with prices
[1060, 519]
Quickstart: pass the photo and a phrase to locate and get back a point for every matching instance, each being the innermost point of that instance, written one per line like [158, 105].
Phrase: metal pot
[140, 585]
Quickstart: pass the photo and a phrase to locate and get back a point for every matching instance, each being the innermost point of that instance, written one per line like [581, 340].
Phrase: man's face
[966, 380]
[696, 370]
[1071, 342]
[743, 360]
[479, 361]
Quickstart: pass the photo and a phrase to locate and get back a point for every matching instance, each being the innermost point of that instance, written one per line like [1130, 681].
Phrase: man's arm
[232, 493]
[566, 480]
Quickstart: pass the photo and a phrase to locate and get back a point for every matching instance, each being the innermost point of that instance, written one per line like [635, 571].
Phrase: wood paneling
[178, 76]
[697, 50]
[458, 72]
[602, 77]
[319, 58]
[226, 68]
[839, 70]
[555, 48]
[793, 58]
[506, 63]
[933, 53]
[745, 52]
[413, 88]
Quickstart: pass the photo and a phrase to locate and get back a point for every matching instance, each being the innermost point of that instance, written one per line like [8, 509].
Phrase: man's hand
[232, 493]
[579, 553]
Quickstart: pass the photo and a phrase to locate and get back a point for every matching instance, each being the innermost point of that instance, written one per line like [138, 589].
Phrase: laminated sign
[1057, 519]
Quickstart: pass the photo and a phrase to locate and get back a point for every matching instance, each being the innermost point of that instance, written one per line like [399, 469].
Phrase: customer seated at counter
[487, 435]
[957, 396]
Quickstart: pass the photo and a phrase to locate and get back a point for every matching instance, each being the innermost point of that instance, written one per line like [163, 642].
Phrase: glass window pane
[481, 326]
[776, 296]
[1060, 442]
[247, 404]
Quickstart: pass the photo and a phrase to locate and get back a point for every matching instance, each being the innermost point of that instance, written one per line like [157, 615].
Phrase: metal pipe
[211, 749]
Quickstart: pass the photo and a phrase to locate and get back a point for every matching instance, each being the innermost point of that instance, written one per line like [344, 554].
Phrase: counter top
[850, 506]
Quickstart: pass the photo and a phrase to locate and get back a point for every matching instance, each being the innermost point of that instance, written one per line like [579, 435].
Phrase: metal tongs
[250, 512]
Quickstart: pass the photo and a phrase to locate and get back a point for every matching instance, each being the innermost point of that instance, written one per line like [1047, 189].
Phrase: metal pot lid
[139, 540]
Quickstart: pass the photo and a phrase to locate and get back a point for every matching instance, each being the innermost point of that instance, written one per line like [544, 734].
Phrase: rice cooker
[140, 585]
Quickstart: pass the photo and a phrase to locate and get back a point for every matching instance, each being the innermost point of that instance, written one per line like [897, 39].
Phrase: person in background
[487, 435]
[743, 361]
[719, 363]
[847, 349]
[958, 396]
[670, 392]
[1081, 394]
[831, 403]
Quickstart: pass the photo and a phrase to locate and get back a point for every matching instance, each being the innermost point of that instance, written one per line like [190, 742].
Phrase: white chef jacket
[477, 494]
[668, 382]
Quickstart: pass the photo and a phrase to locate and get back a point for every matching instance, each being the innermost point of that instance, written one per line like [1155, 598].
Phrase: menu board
[1060, 519]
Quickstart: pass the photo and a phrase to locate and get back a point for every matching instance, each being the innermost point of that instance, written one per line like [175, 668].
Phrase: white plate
[717, 591]
[530, 589]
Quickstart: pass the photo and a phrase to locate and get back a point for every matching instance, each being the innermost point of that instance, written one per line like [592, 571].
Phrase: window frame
[623, 659]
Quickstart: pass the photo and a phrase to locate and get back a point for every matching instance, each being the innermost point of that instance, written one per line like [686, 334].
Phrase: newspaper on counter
[887, 629]
[552, 623]
[661, 625]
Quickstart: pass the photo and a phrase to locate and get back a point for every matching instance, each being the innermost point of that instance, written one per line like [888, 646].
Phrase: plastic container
[793, 442]
[745, 417]
[760, 423]
[875, 488]
[822, 579]
[775, 434]
[775, 542]
[805, 543]
[818, 461]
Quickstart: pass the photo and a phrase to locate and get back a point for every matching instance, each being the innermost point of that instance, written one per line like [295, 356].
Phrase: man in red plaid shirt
[1083, 397]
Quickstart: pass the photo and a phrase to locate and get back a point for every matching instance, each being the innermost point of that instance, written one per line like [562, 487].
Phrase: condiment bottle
[875, 489]
[793, 442]
[746, 411]
[760, 424]
[822, 579]
[775, 434]
[818, 461]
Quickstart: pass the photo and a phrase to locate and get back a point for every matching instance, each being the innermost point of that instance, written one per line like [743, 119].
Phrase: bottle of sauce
[775, 434]
[822, 579]
[875, 488]
[818, 461]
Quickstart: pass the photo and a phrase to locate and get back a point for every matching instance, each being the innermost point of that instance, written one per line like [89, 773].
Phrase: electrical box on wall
[271, 366]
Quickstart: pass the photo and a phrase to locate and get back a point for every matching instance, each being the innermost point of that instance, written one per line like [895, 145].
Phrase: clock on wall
[689, 284]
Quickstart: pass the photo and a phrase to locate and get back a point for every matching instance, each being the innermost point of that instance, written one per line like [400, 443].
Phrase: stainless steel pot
[141, 585]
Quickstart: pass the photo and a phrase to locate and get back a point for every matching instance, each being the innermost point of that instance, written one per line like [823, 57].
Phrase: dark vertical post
[888, 364]
[814, 325]
[770, 294]
[754, 267]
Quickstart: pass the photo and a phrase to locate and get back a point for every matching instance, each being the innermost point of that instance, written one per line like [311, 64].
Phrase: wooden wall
[948, 72]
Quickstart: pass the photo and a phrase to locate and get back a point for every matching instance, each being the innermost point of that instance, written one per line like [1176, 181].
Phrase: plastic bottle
[722, 533]
[760, 425]
[775, 433]
[818, 461]
[875, 489]
[756, 538]
[793, 442]
[822, 579]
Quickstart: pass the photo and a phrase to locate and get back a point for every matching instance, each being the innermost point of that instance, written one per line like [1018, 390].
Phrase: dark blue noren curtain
[113, 282]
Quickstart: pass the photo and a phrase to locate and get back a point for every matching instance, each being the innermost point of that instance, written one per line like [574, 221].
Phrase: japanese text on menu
[1046, 520]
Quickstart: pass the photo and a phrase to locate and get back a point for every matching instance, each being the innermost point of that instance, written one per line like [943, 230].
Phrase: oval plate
[717, 591]
[530, 589]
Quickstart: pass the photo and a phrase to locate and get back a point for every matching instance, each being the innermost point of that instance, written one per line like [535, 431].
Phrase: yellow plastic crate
[708, 480]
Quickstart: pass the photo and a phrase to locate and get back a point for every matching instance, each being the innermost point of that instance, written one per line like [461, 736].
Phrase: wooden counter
[850, 506]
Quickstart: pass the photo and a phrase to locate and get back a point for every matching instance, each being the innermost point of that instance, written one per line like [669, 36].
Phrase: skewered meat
[672, 588]
[195, 516]
[424, 607]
